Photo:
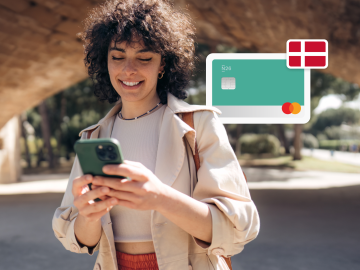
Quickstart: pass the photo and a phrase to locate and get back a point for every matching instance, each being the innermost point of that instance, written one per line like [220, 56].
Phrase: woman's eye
[145, 59]
[115, 58]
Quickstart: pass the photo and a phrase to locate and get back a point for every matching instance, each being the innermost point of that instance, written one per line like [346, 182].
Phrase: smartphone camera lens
[106, 152]
[102, 152]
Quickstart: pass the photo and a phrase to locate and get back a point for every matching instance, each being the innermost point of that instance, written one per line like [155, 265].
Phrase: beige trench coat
[221, 185]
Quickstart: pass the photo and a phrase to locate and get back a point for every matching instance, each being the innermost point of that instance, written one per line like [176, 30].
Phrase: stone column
[10, 153]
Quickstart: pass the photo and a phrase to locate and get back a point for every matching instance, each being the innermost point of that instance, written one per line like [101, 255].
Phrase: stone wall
[40, 54]
[10, 168]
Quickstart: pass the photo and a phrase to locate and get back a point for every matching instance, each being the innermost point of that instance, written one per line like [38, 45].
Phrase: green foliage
[343, 132]
[323, 84]
[335, 117]
[197, 85]
[259, 144]
[34, 119]
[250, 128]
[309, 140]
[79, 108]
[340, 145]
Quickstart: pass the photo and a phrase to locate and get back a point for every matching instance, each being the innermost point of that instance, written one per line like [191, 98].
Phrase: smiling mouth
[130, 84]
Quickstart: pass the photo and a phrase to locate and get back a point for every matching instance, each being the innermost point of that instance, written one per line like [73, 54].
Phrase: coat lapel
[171, 150]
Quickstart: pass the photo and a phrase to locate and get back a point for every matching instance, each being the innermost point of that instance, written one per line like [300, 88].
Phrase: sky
[335, 101]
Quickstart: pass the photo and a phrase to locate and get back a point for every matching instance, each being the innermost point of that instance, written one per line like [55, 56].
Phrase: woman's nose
[129, 67]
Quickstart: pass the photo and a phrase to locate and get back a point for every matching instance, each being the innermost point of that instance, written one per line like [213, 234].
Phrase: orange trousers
[139, 261]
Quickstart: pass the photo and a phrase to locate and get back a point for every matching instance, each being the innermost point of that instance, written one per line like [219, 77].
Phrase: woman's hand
[84, 199]
[144, 192]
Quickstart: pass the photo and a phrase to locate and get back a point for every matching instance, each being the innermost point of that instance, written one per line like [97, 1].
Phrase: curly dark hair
[162, 28]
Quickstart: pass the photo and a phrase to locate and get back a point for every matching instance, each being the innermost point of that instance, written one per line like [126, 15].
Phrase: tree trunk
[24, 134]
[62, 115]
[237, 141]
[45, 128]
[283, 140]
[40, 155]
[297, 141]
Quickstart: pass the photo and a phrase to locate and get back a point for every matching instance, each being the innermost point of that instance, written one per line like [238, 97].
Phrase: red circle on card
[286, 108]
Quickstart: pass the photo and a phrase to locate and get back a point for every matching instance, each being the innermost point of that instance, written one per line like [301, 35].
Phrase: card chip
[228, 83]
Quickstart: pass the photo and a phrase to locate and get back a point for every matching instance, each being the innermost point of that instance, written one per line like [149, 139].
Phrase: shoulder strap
[188, 118]
[89, 133]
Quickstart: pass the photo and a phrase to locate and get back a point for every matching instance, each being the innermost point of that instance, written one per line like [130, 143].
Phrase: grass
[306, 164]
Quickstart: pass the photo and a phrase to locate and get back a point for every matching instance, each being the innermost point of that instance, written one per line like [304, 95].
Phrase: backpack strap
[188, 118]
[89, 134]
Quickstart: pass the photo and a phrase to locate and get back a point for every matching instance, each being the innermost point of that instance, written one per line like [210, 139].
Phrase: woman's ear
[162, 64]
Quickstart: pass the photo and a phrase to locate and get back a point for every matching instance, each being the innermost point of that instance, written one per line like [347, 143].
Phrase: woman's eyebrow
[139, 51]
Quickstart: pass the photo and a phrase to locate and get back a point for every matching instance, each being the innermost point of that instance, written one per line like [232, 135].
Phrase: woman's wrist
[87, 232]
[87, 221]
[191, 215]
[165, 198]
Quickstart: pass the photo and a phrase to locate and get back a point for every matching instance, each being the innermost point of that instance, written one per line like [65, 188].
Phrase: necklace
[121, 117]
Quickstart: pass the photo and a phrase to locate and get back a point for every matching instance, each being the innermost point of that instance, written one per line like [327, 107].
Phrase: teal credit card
[254, 88]
[257, 82]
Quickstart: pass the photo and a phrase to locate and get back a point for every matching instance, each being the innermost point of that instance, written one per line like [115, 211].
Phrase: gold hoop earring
[162, 74]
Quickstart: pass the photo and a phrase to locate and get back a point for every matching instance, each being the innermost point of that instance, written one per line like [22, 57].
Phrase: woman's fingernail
[105, 189]
[88, 177]
[113, 201]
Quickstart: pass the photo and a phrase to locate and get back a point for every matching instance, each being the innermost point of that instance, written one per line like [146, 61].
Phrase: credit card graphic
[257, 88]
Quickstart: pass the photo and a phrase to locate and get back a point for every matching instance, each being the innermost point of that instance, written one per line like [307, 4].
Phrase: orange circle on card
[296, 108]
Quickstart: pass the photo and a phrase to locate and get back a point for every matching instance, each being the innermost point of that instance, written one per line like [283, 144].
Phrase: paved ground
[300, 229]
[259, 178]
[305, 230]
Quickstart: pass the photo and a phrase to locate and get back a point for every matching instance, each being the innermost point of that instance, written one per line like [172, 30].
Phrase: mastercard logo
[293, 108]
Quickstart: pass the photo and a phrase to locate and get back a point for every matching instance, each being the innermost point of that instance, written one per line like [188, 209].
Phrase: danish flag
[307, 53]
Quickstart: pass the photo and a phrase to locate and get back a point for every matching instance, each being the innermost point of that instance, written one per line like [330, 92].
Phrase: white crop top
[139, 141]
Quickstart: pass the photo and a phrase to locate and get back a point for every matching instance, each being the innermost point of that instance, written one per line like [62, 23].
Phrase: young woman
[140, 55]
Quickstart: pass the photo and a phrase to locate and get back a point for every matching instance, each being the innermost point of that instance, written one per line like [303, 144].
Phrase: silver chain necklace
[121, 117]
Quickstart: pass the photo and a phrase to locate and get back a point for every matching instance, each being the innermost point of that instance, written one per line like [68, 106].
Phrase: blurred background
[304, 179]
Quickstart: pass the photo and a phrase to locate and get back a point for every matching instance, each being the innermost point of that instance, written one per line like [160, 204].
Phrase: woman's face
[134, 70]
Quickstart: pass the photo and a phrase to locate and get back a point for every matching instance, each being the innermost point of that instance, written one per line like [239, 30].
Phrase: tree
[335, 117]
[46, 133]
[68, 112]
[323, 84]
[25, 136]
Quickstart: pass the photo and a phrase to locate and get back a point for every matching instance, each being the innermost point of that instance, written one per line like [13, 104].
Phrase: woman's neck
[132, 109]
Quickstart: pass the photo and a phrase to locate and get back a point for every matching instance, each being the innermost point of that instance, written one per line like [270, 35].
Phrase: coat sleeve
[222, 186]
[64, 217]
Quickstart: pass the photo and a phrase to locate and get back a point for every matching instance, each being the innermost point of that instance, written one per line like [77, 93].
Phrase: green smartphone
[94, 154]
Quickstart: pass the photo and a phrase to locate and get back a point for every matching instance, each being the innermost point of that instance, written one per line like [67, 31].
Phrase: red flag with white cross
[307, 53]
